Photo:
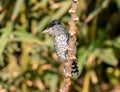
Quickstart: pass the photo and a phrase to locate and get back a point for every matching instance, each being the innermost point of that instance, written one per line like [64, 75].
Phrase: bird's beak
[45, 31]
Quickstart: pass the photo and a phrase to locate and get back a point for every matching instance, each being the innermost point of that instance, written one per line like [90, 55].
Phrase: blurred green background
[28, 62]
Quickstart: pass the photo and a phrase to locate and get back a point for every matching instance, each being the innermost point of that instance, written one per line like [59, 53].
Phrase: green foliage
[28, 62]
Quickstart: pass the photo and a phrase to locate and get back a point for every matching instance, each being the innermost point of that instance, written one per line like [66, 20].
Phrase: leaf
[24, 36]
[116, 42]
[17, 9]
[118, 3]
[108, 56]
[82, 56]
[4, 39]
[62, 10]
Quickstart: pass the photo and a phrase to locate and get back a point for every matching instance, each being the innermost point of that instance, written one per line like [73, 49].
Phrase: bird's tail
[74, 68]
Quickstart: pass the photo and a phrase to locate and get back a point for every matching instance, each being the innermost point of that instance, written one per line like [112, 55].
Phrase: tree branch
[71, 46]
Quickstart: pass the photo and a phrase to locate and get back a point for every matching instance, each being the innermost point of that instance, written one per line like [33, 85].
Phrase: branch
[71, 46]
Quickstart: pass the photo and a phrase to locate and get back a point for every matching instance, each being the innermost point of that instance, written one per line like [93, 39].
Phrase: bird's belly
[60, 44]
[61, 51]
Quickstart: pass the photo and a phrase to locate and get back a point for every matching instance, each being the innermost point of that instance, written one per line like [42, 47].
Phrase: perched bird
[61, 41]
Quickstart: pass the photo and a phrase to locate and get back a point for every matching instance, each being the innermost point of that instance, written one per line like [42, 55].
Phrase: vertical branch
[71, 46]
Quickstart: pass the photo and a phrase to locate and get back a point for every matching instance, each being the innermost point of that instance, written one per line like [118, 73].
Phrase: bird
[61, 41]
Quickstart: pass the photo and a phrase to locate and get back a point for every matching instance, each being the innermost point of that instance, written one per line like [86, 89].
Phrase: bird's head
[54, 28]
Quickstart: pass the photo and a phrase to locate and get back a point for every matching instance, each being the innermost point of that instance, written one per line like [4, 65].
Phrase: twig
[71, 47]
[86, 82]
[97, 11]
[53, 4]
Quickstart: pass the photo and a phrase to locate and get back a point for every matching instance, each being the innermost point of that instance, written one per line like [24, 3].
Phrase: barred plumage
[61, 41]
[60, 44]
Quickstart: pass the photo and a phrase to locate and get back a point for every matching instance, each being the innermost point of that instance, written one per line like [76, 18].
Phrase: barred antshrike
[61, 41]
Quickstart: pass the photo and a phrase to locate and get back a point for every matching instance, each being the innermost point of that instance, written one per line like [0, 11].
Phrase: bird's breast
[60, 44]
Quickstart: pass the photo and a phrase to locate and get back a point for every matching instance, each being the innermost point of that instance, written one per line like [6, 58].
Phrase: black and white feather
[61, 41]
